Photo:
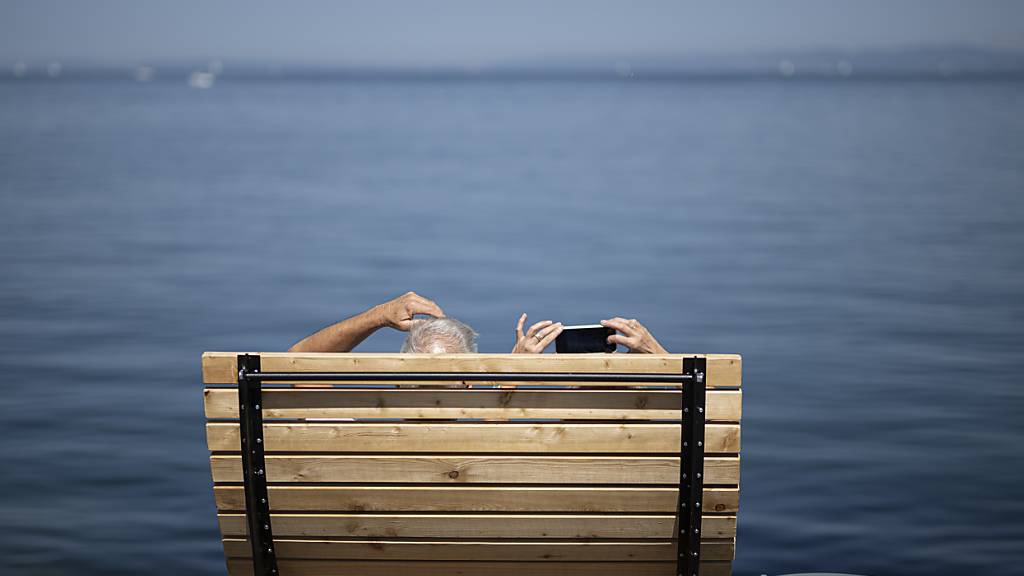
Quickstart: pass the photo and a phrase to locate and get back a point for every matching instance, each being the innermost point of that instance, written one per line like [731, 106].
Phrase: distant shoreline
[180, 74]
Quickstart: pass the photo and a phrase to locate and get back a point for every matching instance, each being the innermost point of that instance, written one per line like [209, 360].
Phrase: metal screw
[698, 475]
[685, 444]
[694, 554]
[700, 443]
[697, 504]
[699, 409]
[259, 440]
[686, 409]
[270, 550]
[257, 406]
[684, 475]
[263, 500]
[259, 472]
[696, 530]
[266, 526]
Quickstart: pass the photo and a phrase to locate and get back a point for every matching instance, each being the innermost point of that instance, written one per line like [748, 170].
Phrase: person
[440, 334]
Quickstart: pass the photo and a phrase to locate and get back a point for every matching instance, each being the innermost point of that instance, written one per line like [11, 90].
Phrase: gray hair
[440, 336]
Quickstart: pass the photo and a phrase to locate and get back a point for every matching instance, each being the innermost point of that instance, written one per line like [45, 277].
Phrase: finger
[519, 327]
[431, 303]
[623, 340]
[424, 307]
[406, 325]
[620, 325]
[547, 340]
[537, 326]
[541, 334]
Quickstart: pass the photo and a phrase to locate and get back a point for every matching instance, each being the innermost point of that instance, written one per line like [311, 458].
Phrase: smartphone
[585, 338]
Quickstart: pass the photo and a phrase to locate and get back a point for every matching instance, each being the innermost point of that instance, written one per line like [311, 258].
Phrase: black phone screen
[584, 339]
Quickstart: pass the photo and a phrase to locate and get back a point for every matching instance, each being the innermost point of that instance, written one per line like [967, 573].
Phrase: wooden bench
[416, 465]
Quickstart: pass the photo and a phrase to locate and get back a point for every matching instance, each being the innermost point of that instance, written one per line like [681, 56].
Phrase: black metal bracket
[257, 503]
[691, 468]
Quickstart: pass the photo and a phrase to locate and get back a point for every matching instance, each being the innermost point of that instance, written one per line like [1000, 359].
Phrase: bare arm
[345, 335]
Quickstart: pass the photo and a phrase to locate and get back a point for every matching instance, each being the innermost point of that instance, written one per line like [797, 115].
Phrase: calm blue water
[860, 243]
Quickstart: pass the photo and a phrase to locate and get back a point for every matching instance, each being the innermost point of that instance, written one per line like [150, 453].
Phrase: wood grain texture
[722, 405]
[478, 526]
[241, 567]
[487, 469]
[723, 369]
[474, 499]
[475, 437]
[493, 551]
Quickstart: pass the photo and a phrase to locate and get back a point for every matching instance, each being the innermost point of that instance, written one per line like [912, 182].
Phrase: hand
[537, 337]
[633, 335]
[398, 313]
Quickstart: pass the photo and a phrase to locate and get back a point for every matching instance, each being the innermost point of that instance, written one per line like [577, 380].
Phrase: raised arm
[345, 335]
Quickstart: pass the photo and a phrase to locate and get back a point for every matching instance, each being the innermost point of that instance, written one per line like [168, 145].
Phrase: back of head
[440, 336]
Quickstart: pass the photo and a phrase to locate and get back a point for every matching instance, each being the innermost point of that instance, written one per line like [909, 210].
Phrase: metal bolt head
[259, 440]
[698, 475]
[700, 443]
[263, 500]
[697, 504]
[257, 406]
[700, 410]
[266, 526]
[694, 554]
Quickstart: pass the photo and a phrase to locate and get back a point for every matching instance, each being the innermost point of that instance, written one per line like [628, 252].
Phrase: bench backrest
[393, 475]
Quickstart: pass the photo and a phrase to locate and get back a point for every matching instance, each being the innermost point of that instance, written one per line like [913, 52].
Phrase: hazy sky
[454, 32]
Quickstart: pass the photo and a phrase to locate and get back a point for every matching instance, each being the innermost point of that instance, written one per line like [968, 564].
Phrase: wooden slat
[539, 526]
[240, 567]
[473, 437]
[474, 499]
[489, 469]
[722, 405]
[494, 551]
[724, 370]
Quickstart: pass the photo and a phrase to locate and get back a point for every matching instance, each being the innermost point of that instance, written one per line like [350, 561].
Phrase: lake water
[860, 243]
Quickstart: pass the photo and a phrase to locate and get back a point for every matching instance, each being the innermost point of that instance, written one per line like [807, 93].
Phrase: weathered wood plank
[478, 526]
[724, 370]
[722, 405]
[489, 469]
[241, 567]
[495, 551]
[474, 437]
[474, 499]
